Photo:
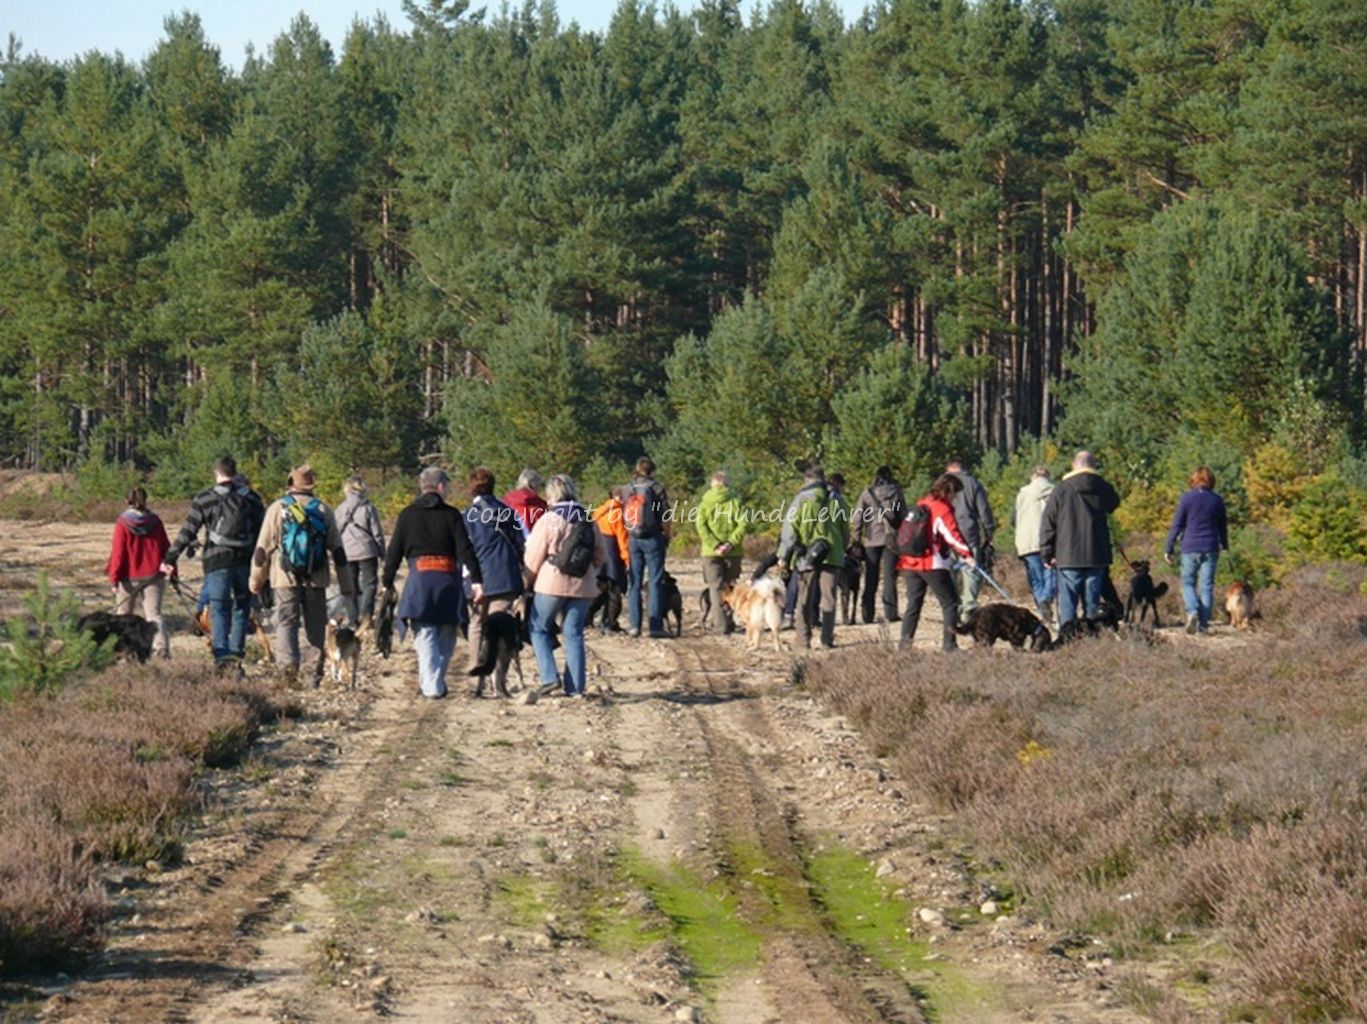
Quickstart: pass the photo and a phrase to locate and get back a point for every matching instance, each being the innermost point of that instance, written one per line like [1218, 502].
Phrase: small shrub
[45, 650]
[52, 904]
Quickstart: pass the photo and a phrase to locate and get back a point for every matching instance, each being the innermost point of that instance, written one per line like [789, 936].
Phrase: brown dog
[1239, 604]
[754, 606]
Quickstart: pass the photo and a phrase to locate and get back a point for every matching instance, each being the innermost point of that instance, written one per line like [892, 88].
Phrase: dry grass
[1139, 792]
[107, 771]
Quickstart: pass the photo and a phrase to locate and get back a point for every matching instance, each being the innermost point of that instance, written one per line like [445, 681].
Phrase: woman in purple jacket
[1200, 522]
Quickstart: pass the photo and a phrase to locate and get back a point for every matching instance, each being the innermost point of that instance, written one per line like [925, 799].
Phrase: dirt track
[657, 849]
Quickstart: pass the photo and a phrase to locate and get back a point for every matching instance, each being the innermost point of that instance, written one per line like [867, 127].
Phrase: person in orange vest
[612, 577]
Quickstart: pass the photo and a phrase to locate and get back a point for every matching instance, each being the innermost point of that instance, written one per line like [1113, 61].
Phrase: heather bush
[52, 904]
[1136, 792]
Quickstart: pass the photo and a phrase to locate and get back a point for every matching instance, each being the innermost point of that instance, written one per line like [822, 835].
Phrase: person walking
[1201, 523]
[564, 583]
[291, 557]
[931, 570]
[430, 537]
[1030, 502]
[815, 547]
[1075, 537]
[136, 553]
[645, 513]
[612, 577]
[973, 513]
[496, 536]
[721, 529]
[358, 523]
[525, 499]
[231, 515]
[873, 528]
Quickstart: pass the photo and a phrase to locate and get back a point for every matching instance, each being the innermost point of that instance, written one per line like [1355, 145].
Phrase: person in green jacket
[721, 528]
[819, 521]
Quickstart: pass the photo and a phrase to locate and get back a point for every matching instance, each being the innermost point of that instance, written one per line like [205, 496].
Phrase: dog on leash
[1144, 593]
[500, 645]
[1239, 605]
[989, 623]
[755, 606]
[132, 635]
[342, 645]
[847, 579]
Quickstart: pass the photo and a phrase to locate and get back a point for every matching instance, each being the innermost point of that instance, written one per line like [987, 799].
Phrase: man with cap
[431, 537]
[291, 556]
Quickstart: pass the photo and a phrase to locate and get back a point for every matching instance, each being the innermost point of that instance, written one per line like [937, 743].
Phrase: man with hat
[291, 555]
[430, 536]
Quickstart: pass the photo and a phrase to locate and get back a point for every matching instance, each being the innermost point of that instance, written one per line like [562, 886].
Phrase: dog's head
[1140, 567]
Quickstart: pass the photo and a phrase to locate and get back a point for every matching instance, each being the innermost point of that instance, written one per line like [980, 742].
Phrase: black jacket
[429, 526]
[202, 513]
[1074, 533]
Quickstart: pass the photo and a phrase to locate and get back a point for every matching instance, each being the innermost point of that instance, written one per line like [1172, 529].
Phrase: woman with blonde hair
[1202, 524]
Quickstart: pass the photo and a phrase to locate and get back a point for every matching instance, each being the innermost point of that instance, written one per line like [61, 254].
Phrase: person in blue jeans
[1029, 513]
[231, 514]
[1201, 523]
[646, 505]
[556, 592]
[1075, 537]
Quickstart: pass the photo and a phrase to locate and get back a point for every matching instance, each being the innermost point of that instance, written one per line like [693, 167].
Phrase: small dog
[847, 579]
[500, 645]
[999, 621]
[1144, 594]
[1239, 605]
[608, 603]
[132, 635]
[673, 602]
[755, 606]
[343, 646]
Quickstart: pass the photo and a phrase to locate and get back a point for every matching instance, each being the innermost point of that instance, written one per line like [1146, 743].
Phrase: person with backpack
[562, 553]
[496, 535]
[135, 556]
[297, 537]
[1030, 502]
[1075, 537]
[430, 536]
[644, 513]
[721, 529]
[815, 548]
[872, 531]
[973, 513]
[927, 534]
[525, 499]
[231, 516]
[358, 523]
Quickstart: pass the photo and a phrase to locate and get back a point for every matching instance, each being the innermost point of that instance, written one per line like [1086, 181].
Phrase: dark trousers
[942, 585]
[815, 598]
[880, 563]
[364, 579]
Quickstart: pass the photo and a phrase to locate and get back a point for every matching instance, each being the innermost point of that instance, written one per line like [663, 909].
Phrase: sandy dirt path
[693, 843]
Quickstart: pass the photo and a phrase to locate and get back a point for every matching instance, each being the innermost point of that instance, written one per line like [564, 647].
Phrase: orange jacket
[610, 522]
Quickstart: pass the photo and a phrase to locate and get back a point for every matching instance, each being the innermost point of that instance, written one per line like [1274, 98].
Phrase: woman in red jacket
[932, 569]
[139, 545]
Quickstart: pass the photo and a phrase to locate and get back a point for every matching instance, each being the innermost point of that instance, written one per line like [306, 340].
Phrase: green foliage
[44, 650]
[1329, 522]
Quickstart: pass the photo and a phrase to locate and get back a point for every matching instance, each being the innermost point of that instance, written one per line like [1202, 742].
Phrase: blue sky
[59, 30]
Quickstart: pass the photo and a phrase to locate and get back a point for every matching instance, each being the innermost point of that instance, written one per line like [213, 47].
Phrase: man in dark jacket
[1076, 538]
[231, 515]
[497, 538]
[973, 513]
[430, 535]
[873, 530]
[646, 513]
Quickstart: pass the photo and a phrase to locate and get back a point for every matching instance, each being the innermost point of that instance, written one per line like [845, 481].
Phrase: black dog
[998, 621]
[673, 602]
[608, 603]
[847, 579]
[1143, 593]
[132, 635]
[500, 645]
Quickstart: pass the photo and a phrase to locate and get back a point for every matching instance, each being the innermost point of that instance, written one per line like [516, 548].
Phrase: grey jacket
[873, 522]
[972, 512]
[358, 522]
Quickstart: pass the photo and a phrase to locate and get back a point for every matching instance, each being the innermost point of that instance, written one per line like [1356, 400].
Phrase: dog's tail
[1161, 589]
[965, 628]
[488, 660]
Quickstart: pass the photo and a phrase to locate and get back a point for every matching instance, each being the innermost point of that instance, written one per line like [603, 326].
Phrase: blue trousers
[1198, 584]
[646, 556]
[545, 608]
[1079, 586]
[229, 600]
[1043, 581]
[435, 645]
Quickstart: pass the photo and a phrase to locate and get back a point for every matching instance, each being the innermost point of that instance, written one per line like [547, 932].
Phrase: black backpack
[913, 532]
[234, 519]
[576, 555]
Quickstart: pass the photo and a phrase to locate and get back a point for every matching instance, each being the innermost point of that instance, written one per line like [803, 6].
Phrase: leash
[994, 584]
[189, 606]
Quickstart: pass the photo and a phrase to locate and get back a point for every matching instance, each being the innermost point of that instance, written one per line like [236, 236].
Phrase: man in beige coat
[1030, 502]
[291, 557]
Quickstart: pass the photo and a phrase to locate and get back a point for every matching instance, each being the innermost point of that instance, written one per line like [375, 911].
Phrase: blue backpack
[303, 539]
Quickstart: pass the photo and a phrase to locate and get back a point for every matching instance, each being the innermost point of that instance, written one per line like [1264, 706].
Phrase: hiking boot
[1193, 623]
[229, 668]
[828, 629]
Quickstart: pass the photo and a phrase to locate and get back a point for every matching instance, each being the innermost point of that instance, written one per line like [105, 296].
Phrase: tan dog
[343, 646]
[1239, 604]
[756, 605]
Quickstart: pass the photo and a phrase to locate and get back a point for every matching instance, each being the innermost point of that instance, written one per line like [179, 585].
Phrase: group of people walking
[555, 557]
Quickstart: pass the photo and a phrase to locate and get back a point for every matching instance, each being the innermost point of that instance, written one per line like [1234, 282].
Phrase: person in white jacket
[1030, 501]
